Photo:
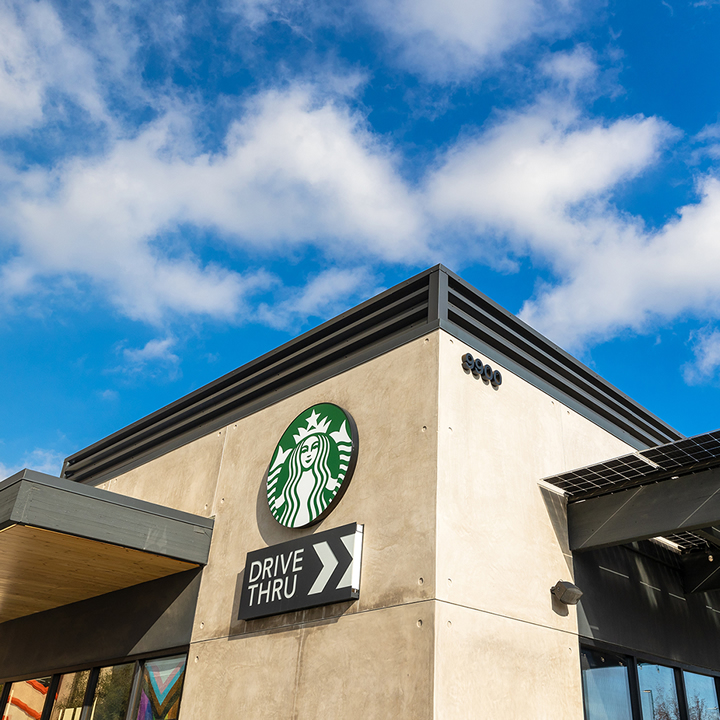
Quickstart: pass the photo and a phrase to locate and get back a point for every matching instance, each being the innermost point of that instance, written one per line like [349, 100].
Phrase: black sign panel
[313, 570]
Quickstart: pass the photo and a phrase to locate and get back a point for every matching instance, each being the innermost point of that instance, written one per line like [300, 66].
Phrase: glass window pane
[606, 688]
[70, 695]
[26, 699]
[701, 697]
[160, 689]
[112, 695]
[658, 694]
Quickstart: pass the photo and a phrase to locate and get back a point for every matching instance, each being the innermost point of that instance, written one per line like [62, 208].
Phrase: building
[367, 523]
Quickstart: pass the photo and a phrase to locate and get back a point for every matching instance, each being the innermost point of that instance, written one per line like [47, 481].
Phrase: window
[112, 694]
[658, 693]
[103, 693]
[160, 689]
[621, 687]
[70, 696]
[701, 697]
[606, 689]
[27, 699]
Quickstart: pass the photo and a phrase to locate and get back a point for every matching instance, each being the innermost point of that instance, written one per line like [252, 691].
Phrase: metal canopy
[682, 457]
[61, 542]
[677, 505]
[669, 492]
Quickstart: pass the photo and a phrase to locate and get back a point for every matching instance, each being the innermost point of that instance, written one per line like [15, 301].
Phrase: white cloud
[36, 56]
[540, 184]
[632, 278]
[459, 37]
[574, 67]
[299, 169]
[41, 460]
[538, 179]
[154, 358]
[706, 349]
[295, 171]
[708, 140]
[324, 295]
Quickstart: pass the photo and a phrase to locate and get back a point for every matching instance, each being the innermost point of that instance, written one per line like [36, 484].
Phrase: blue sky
[185, 185]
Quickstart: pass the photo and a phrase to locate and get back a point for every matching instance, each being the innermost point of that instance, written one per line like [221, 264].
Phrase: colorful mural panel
[161, 687]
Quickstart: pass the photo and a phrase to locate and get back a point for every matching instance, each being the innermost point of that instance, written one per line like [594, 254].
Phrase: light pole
[652, 704]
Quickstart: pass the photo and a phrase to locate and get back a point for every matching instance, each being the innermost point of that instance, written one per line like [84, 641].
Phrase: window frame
[137, 660]
[633, 659]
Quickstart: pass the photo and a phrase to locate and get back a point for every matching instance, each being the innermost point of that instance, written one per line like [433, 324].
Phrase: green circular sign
[312, 465]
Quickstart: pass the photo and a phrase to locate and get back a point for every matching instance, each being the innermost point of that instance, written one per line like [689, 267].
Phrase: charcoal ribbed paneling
[377, 325]
[433, 299]
[495, 327]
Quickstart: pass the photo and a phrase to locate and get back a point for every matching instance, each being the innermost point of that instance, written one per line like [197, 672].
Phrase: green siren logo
[312, 465]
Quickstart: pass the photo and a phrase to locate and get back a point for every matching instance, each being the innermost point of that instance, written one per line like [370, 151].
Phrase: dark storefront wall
[636, 602]
[153, 617]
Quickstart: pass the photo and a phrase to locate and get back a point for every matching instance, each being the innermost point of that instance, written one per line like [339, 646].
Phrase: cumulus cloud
[539, 183]
[443, 42]
[459, 37]
[41, 460]
[574, 68]
[706, 361]
[155, 358]
[294, 171]
[36, 57]
[299, 169]
[324, 295]
[632, 278]
[538, 179]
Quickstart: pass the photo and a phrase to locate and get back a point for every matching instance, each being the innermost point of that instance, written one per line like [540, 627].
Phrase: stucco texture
[461, 546]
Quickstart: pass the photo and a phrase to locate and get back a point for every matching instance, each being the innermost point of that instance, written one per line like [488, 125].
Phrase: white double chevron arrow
[346, 579]
[329, 561]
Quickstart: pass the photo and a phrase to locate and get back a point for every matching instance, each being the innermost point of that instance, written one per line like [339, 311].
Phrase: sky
[185, 185]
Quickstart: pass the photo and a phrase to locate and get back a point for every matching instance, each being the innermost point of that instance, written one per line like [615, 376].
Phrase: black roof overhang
[433, 299]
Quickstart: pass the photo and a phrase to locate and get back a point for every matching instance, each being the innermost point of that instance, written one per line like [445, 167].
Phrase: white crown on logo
[315, 426]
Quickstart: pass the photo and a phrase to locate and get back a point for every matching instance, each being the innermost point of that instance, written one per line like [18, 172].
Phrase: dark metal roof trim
[49, 503]
[39, 478]
[435, 298]
[485, 319]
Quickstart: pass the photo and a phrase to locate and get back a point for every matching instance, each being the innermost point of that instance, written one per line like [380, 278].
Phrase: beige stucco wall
[372, 658]
[502, 543]
[184, 479]
[455, 618]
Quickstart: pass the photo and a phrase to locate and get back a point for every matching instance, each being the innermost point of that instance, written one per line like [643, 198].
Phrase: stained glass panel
[160, 689]
[27, 699]
[112, 695]
[70, 696]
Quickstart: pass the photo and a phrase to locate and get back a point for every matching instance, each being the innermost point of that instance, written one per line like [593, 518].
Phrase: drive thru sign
[313, 570]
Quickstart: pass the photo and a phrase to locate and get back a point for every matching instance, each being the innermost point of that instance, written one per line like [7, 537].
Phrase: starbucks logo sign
[312, 465]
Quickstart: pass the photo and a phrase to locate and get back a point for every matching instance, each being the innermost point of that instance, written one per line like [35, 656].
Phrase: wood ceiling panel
[41, 569]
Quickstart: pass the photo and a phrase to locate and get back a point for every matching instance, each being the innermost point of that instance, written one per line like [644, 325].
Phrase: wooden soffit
[61, 542]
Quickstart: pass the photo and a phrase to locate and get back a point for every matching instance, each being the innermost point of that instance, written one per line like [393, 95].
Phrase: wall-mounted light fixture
[566, 592]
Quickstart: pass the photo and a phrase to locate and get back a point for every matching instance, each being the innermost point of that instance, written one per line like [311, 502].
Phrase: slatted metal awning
[685, 456]
[680, 468]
